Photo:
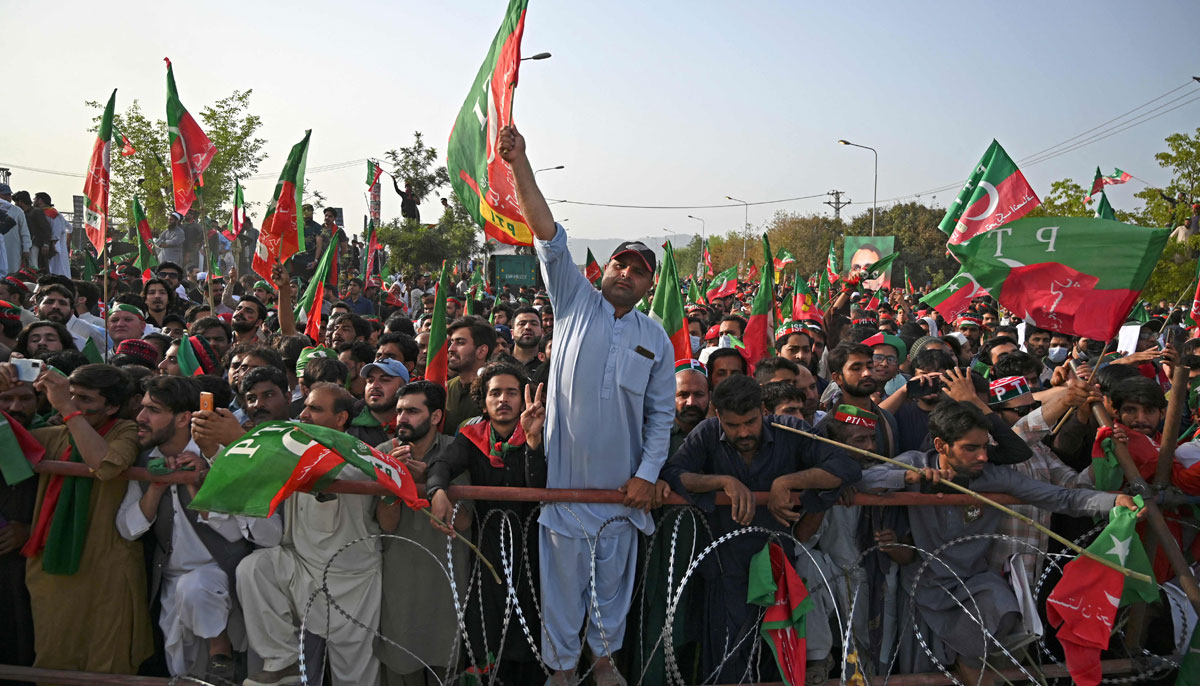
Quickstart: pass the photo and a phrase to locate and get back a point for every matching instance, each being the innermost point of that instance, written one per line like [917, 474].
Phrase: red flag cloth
[773, 583]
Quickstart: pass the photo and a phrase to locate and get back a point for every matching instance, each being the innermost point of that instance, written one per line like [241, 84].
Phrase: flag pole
[104, 267]
[207, 254]
[980, 497]
[1191, 285]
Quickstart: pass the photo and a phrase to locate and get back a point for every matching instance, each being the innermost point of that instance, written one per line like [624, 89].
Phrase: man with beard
[275, 585]
[503, 449]
[398, 346]
[86, 575]
[527, 336]
[615, 435]
[160, 299]
[55, 304]
[194, 560]
[43, 338]
[417, 584]
[806, 382]
[247, 319]
[794, 342]
[216, 332]
[171, 241]
[265, 390]
[19, 401]
[468, 347]
[377, 419]
[739, 452]
[347, 328]
[851, 367]
[911, 404]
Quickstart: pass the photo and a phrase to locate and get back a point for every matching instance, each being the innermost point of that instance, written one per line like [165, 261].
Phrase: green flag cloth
[281, 234]
[1189, 667]
[995, 194]
[191, 150]
[96, 187]
[1070, 275]
[1103, 209]
[1101, 180]
[436, 365]
[592, 270]
[723, 285]
[254, 474]
[667, 307]
[774, 584]
[18, 450]
[760, 329]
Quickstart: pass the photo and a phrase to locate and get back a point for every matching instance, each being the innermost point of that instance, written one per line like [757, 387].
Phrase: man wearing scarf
[86, 583]
[504, 448]
[375, 422]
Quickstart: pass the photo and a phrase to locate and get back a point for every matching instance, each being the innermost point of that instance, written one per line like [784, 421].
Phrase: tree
[229, 125]
[1170, 207]
[415, 166]
[415, 248]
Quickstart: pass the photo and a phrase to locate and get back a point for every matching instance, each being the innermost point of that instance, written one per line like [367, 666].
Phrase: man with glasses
[887, 351]
[172, 273]
[1011, 398]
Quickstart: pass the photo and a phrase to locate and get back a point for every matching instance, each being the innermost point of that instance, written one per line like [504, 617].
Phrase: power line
[682, 207]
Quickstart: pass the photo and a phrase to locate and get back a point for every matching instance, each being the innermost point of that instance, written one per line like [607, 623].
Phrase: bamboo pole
[981, 498]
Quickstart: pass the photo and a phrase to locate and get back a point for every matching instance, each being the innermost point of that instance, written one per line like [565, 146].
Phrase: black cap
[638, 247]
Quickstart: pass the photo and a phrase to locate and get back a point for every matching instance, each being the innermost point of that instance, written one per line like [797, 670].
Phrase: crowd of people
[570, 387]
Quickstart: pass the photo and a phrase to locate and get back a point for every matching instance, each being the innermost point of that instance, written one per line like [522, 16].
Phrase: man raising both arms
[625, 362]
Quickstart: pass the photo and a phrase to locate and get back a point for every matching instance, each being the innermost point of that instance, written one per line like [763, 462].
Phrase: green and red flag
[1117, 177]
[773, 584]
[237, 218]
[804, 304]
[191, 150]
[831, 270]
[368, 265]
[436, 369]
[1075, 276]
[1103, 209]
[18, 450]
[126, 146]
[281, 236]
[475, 292]
[1084, 603]
[481, 178]
[723, 285]
[708, 261]
[139, 233]
[995, 194]
[1193, 312]
[374, 171]
[760, 330]
[753, 274]
[313, 302]
[591, 270]
[95, 188]
[256, 473]
[783, 258]
[189, 362]
[878, 269]
[908, 282]
[667, 307]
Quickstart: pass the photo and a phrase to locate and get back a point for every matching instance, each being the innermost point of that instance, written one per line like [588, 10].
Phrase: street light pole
[539, 56]
[547, 169]
[745, 224]
[875, 196]
[703, 237]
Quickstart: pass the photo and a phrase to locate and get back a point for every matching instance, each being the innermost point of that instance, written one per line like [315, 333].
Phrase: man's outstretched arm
[537, 213]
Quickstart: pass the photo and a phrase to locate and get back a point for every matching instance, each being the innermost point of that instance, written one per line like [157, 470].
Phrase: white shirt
[16, 241]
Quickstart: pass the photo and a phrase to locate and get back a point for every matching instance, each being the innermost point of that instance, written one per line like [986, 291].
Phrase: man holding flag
[624, 361]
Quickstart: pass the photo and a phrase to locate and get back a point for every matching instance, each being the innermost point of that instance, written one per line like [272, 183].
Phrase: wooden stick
[1071, 410]
[963, 489]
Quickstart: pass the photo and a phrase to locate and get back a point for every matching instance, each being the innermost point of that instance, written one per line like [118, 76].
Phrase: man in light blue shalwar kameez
[609, 408]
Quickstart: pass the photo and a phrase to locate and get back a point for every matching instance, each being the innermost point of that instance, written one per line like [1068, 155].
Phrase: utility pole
[837, 204]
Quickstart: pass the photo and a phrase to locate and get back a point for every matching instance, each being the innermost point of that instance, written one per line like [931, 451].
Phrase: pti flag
[774, 585]
[760, 329]
[1101, 180]
[1069, 275]
[482, 180]
[140, 235]
[254, 474]
[997, 193]
[708, 262]
[191, 151]
[313, 301]
[374, 171]
[667, 307]
[591, 270]
[238, 216]
[281, 236]
[831, 265]
[126, 147]
[436, 369]
[783, 259]
[723, 285]
[1103, 209]
[95, 188]
[1084, 603]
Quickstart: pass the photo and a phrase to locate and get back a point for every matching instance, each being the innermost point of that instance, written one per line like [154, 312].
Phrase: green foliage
[229, 125]
[1171, 206]
[1064, 200]
[415, 166]
[414, 247]
[1173, 276]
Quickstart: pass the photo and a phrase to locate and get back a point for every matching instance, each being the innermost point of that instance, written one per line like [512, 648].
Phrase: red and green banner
[237, 218]
[723, 285]
[760, 330]
[1075, 276]
[95, 188]
[804, 304]
[436, 369]
[139, 233]
[667, 307]
[256, 473]
[126, 146]
[774, 585]
[1084, 603]
[476, 291]
[280, 236]
[831, 270]
[1117, 177]
[313, 301]
[708, 261]
[191, 151]
[908, 282]
[374, 171]
[783, 258]
[753, 273]
[18, 450]
[1103, 209]
[591, 270]
[995, 194]
[189, 362]
[373, 248]
[482, 180]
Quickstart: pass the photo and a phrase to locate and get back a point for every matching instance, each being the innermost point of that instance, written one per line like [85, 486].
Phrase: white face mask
[1057, 355]
[695, 344]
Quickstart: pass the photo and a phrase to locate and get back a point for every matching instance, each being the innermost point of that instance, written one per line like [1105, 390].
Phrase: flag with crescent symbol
[996, 194]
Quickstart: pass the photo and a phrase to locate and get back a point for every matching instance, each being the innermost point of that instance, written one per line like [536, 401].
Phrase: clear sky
[644, 103]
